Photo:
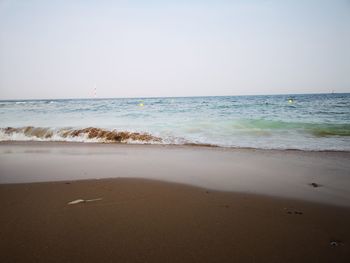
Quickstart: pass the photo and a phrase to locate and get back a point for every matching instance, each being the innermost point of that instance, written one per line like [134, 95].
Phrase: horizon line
[192, 96]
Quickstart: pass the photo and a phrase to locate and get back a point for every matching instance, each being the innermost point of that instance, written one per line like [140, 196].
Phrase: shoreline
[287, 174]
[138, 220]
[185, 145]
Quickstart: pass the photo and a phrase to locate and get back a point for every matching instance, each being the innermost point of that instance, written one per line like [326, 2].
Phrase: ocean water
[307, 122]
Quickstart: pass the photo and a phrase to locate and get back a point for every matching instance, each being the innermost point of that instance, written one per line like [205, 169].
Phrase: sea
[310, 122]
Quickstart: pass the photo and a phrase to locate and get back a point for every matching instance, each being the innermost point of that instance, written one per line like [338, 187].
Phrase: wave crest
[90, 134]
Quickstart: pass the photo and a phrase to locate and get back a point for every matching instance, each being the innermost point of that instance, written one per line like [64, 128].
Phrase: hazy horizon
[132, 49]
[192, 96]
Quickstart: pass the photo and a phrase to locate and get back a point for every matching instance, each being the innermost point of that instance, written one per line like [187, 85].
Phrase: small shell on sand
[78, 201]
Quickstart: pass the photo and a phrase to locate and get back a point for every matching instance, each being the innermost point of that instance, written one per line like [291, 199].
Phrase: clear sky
[61, 49]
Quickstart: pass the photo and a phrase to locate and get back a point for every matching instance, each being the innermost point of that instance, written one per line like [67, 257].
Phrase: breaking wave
[90, 134]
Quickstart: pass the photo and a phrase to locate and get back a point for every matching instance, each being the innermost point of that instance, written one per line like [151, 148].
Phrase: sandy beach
[174, 131]
[171, 204]
[276, 173]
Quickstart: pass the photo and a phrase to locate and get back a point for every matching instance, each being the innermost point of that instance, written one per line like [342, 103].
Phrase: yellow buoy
[141, 104]
[290, 101]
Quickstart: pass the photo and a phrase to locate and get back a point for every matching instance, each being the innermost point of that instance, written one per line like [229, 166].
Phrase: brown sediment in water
[38, 132]
[91, 132]
[114, 136]
[9, 130]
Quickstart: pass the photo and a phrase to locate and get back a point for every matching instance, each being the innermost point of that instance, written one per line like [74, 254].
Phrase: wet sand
[150, 221]
[276, 173]
[262, 213]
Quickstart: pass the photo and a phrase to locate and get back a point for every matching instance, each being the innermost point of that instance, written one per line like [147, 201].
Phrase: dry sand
[140, 220]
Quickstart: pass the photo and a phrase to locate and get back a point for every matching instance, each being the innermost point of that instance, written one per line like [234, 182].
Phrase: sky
[63, 49]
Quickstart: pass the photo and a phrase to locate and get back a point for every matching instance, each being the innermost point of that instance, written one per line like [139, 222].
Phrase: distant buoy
[141, 104]
[290, 100]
